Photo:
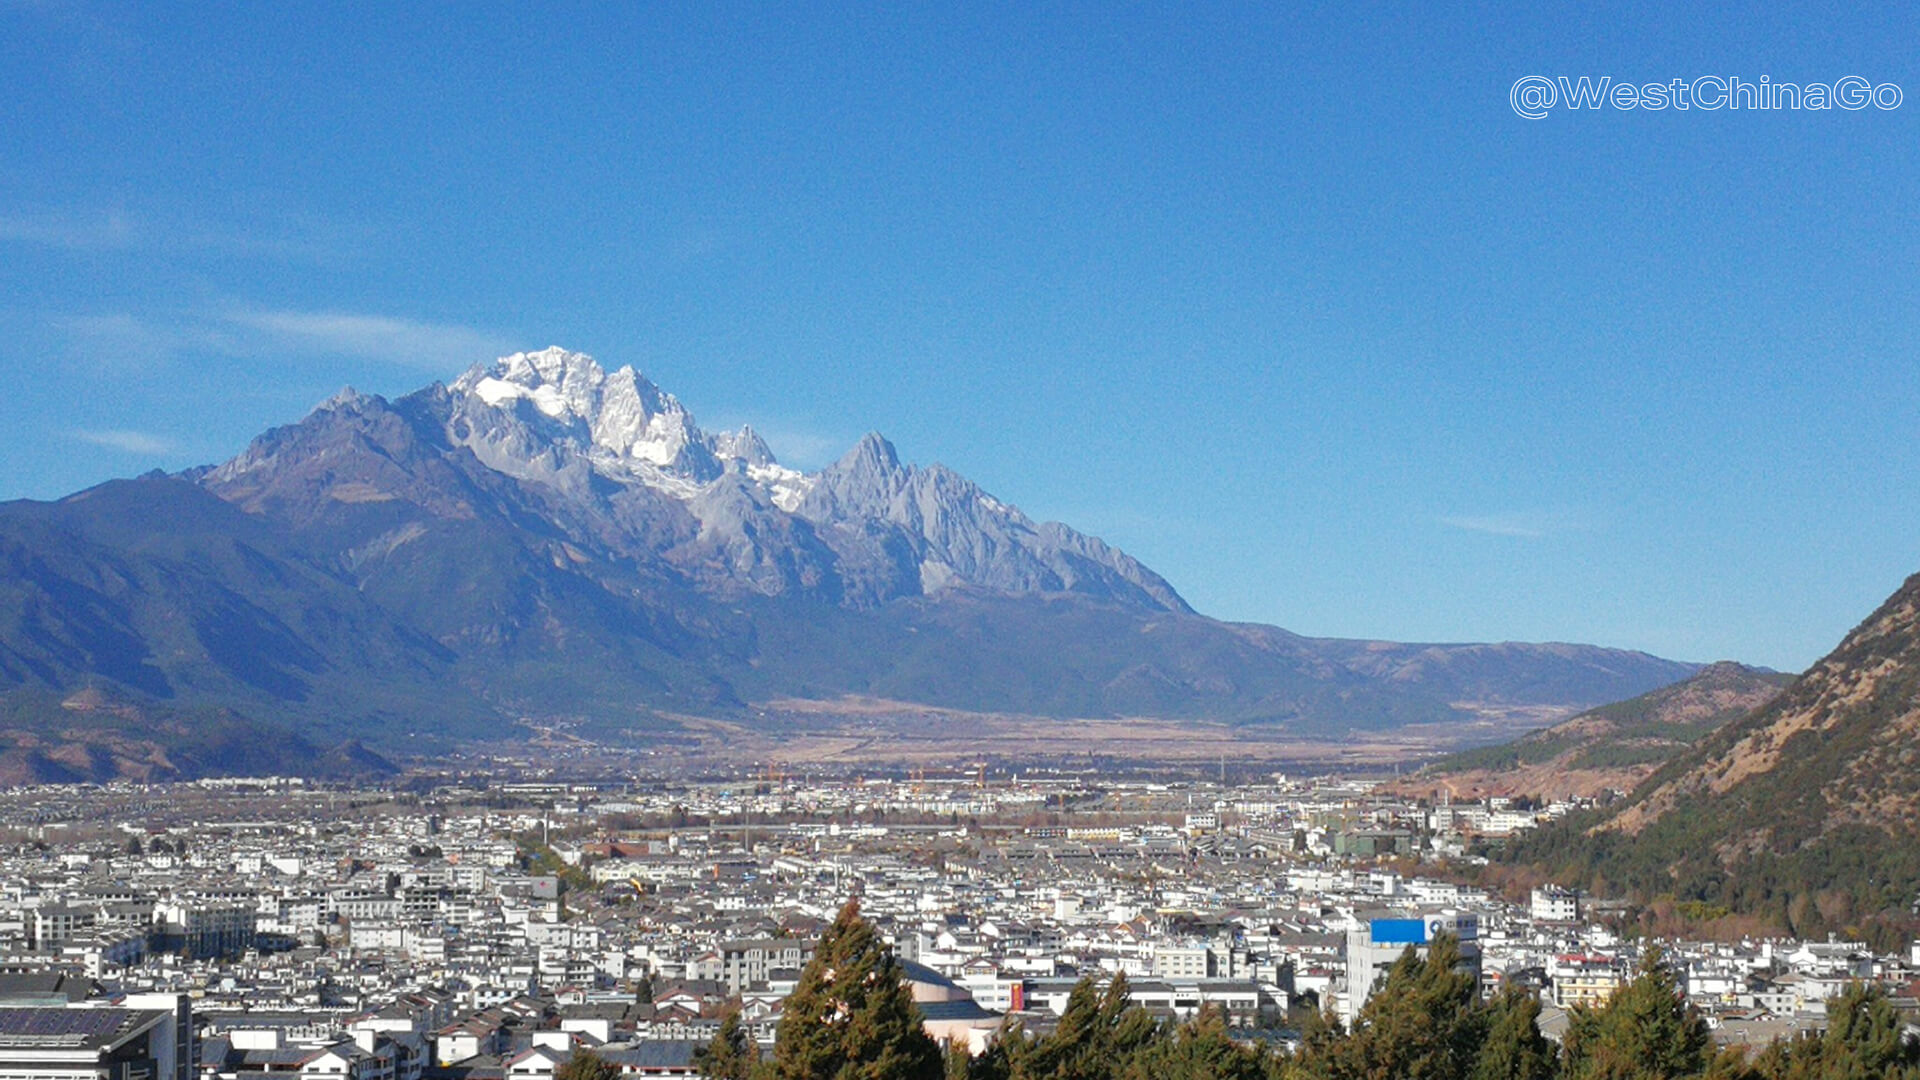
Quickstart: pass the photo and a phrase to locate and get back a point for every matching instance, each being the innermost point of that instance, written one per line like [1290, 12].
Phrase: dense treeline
[852, 1018]
[1855, 881]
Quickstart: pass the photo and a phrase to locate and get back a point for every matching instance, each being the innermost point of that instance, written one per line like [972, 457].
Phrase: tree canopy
[852, 1017]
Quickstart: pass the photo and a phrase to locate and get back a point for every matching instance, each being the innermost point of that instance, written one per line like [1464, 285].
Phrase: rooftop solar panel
[66, 1027]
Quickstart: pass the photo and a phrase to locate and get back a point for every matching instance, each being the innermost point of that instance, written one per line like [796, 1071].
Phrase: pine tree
[1425, 1021]
[1051, 1057]
[996, 1061]
[1320, 1033]
[1644, 1032]
[586, 1065]
[852, 1017]
[959, 1061]
[1098, 1034]
[1731, 1063]
[1864, 1039]
[1125, 1028]
[1514, 1048]
[1201, 1049]
[732, 1055]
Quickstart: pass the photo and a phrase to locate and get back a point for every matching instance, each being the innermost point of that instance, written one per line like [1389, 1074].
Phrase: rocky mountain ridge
[542, 538]
[617, 460]
[1610, 748]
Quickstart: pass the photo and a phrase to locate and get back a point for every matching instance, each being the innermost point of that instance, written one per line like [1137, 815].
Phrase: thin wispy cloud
[124, 341]
[71, 232]
[273, 235]
[796, 446]
[126, 441]
[435, 346]
[1523, 525]
[806, 449]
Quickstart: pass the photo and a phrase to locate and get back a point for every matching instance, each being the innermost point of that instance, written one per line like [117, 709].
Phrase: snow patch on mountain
[619, 424]
[865, 529]
[786, 487]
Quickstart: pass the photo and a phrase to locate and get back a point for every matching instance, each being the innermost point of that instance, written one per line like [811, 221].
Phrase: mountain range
[1613, 747]
[544, 538]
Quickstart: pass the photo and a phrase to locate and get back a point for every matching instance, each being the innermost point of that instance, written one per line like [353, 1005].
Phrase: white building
[1550, 903]
[1375, 944]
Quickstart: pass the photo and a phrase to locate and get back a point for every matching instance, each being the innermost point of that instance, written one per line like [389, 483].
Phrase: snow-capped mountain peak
[558, 415]
[866, 528]
[746, 445]
[621, 414]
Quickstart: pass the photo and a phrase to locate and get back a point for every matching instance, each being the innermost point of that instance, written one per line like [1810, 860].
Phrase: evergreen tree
[1731, 1064]
[586, 1065]
[1052, 1055]
[1865, 1038]
[1644, 1032]
[959, 1061]
[1320, 1032]
[1125, 1028]
[1514, 1048]
[852, 1017]
[732, 1055]
[1098, 1034]
[1199, 1050]
[1425, 1021]
[996, 1061]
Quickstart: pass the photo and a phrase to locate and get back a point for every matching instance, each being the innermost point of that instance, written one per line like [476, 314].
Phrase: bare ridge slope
[1806, 810]
[1613, 747]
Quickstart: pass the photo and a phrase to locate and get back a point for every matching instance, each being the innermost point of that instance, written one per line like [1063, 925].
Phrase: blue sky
[1289, 303]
